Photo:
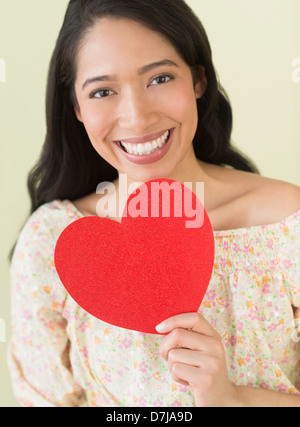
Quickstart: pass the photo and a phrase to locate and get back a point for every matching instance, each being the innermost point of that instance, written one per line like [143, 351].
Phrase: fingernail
[160, 327]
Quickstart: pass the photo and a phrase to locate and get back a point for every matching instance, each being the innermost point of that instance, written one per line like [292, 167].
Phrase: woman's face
[137, 100]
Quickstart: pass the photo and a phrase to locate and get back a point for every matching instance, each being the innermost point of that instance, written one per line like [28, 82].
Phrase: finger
[193, 375]
[185, 374]
[192, 321]
[180, 355]
[182, 338]
[192, 358]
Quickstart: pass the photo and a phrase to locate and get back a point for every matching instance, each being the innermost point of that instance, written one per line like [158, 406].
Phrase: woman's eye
[103, 93]
[161, 79]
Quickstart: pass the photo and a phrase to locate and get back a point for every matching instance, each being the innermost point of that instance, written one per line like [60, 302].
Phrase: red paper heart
[138, 273]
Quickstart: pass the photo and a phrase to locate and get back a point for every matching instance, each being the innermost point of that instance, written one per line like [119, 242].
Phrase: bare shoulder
[85, 205]
[246, 199]
[269, 200]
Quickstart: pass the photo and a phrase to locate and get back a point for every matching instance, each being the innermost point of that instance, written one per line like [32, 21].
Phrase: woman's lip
[143, 139]
[148, 158]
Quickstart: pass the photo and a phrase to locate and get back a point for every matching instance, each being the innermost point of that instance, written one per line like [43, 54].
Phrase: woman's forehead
[112, 41]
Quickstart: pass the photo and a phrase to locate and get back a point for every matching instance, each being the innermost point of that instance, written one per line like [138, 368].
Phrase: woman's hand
[196, 358]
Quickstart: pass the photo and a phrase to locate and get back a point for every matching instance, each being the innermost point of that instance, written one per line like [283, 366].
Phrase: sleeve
[291, 259]
[38, 354]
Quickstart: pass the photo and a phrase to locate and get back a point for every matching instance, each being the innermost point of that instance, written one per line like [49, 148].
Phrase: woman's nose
[136, 113]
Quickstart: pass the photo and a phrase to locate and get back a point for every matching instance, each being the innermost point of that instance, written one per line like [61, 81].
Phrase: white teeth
[148, 147]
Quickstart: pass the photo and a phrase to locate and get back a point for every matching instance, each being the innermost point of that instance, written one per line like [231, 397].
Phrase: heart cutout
[139, 272]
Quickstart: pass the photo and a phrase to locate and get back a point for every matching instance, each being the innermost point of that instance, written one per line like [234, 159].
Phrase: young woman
[132, 90]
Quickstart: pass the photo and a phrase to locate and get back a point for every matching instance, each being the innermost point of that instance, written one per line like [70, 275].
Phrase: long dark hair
[69, 167]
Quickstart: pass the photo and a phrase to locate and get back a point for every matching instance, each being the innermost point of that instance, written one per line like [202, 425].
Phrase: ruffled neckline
[278, 226]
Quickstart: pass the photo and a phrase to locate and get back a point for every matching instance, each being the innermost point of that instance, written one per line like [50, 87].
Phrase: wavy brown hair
[69, 167]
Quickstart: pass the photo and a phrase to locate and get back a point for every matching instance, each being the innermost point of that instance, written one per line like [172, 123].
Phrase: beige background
[254, 44]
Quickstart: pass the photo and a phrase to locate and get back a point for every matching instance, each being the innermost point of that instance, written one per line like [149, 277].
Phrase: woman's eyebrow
[149, 67]
[141, 71]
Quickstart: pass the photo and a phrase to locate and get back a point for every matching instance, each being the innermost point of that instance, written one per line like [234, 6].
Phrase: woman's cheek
[181, 104]
[96, 124]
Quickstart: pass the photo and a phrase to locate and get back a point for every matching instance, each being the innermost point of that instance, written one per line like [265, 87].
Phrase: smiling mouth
[147, 148]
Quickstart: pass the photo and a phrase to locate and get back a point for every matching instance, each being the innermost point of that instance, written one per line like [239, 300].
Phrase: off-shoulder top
[60, 355]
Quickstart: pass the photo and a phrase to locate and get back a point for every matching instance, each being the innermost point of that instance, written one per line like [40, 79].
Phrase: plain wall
[254, 46]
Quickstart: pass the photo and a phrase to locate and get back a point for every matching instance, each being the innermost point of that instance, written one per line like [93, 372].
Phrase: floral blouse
[59, 355]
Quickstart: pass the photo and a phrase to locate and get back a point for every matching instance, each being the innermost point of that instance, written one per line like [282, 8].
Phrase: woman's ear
[200, 81]
[76, 106]
[77, 112]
